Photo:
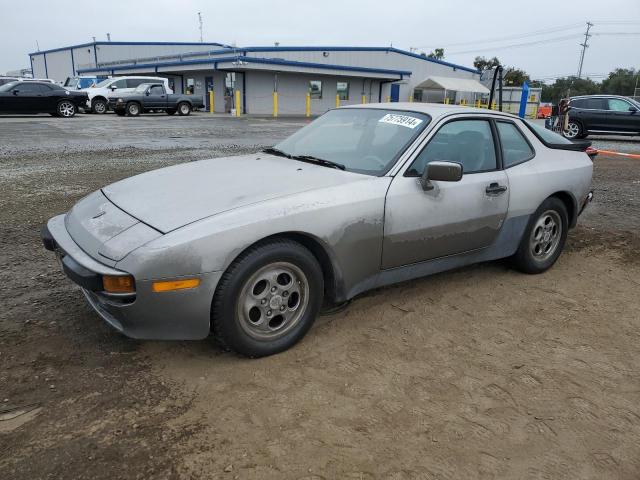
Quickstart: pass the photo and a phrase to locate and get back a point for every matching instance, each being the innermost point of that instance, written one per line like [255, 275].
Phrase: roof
[434, 110]
[454, 84]
[93, 44]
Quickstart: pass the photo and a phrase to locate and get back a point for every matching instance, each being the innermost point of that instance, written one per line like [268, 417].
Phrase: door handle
[495, 189]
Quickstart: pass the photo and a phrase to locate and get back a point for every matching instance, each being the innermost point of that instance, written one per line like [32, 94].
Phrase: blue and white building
[314, 78]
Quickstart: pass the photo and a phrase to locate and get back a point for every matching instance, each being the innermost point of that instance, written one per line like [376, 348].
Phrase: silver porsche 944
[250, 248]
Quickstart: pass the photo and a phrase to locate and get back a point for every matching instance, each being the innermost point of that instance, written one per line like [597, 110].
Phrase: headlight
[120, 100]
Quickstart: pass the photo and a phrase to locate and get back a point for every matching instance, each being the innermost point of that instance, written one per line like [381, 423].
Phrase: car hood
[169, 198]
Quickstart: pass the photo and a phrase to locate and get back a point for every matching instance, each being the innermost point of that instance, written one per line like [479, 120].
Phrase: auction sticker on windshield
[403, 120]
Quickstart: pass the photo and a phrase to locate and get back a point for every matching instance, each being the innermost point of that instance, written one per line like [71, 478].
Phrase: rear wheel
[184, 108]
[133, 109]
[99, 106]
[574, 130]
[268, 299]
[544, 238]
[66, 108]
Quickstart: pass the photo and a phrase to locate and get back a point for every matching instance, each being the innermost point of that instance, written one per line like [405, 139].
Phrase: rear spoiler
[581, 146]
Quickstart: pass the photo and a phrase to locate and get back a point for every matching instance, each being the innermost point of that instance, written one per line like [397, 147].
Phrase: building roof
[453, 84]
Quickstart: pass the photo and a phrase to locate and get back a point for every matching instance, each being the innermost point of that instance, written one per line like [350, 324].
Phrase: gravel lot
[477, 373]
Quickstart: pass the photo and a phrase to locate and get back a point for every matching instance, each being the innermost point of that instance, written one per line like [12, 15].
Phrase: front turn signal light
[170, 285]
[118, 284]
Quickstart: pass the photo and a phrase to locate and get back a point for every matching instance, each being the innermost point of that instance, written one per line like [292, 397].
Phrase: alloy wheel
[67, 109]
[272, 301]
[572, 130]
[545, 235]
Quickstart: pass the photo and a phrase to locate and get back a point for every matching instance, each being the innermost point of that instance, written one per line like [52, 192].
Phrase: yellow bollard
[410, 98]
[364, 99]
[446, 101]
[307, 106]
[493, 105]
[477, 103]
[275, 104]
[535, 111]
[211, 109]
[337, 101]
[238, 106]
[388, 99]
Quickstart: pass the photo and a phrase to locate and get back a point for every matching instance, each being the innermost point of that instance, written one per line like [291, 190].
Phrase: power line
[518, 45]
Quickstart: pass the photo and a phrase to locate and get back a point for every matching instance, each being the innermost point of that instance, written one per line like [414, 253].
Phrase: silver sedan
[251, 248]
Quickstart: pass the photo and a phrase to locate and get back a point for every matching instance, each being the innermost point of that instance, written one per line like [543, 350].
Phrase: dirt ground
[477, 373]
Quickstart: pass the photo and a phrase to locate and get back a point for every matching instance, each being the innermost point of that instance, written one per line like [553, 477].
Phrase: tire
[120, 113]
[574, 130]
[66, 109]
[133, 109]
[544, 238]
[99, 106]
[171, 111]
[267, 299]
[184, 109]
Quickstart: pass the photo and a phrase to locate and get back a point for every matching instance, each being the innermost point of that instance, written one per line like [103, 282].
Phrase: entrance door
[229, 88]
[208, 81]
[395, 92]
[453, 217]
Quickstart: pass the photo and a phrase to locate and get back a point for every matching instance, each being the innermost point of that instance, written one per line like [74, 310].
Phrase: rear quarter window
[546, 135]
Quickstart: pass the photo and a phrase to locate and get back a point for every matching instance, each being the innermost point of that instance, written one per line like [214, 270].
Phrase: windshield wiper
[276, 151]
[319, 161]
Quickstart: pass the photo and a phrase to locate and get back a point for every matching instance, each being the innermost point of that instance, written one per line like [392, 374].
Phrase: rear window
[545, 135]
[515, 148]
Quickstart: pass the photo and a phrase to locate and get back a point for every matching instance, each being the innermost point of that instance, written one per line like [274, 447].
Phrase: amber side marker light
[169, 285]
[118, 284]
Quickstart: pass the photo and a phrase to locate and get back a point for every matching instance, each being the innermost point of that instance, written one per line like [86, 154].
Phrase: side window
[596, 104]
[119, 84]
[134, 82]
[578, 103]
[26, 87]
[157, 90]
[515, 148]
[468, 142]
[618, 105]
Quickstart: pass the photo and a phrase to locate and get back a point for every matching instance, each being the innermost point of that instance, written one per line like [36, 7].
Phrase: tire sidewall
[98, 102]
[182, 104]
[525, 260]
[580, 130]
[225, 302]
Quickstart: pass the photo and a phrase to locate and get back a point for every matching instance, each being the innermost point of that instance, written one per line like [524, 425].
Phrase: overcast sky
[461, 27]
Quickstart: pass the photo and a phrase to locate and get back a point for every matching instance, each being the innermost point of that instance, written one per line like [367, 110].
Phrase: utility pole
[108, 37]
[200, 22]
[584, 46]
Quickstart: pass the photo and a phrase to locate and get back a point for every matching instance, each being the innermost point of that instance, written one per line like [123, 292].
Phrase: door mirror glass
[440, 172]
[15, 92]
[113, 87]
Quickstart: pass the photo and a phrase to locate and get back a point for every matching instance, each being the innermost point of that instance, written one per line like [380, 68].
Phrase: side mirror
[113, 87]
[15, 92]
[633, 109]
[440, 172]
[147, 92]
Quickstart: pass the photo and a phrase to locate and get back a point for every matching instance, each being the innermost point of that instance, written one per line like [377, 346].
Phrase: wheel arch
[99, 97]
[571, 205]
[334, 291]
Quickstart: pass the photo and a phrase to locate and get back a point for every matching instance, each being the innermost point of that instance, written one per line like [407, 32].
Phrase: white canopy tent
[465, 85]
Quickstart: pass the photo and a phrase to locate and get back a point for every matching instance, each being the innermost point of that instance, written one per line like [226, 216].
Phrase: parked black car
[596, 114]
[40, 97]
[152, 96]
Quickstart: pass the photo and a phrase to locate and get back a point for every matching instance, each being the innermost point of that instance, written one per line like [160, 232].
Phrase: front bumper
[174, 315]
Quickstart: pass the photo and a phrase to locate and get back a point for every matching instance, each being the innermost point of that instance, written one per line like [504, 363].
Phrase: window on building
[190, 87]
[515, 148]
[417, 95]
[469, 142]
[315, 88]
[343, 90]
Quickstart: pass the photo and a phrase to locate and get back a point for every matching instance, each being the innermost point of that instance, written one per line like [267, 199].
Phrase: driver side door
[453, 217]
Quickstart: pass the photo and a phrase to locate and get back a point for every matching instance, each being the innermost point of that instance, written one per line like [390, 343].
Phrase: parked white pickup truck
[99, 95]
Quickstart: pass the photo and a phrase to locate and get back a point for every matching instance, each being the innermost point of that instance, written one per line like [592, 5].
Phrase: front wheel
[574, 130]
[544, 237]
[268, 299]
[66, 108]
[133, 109]
[184, 108]
[99, 106]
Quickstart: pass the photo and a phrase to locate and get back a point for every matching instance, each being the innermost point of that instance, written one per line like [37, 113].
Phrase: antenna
[108, 37]
[584, 46]
[200, 22]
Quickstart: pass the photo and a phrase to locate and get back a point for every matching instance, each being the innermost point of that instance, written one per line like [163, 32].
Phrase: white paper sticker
[403, 120]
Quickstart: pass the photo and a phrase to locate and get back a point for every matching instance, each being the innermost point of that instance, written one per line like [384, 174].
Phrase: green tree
[482, 63]
[621, 81]
[515, 77]
[569, 87]
[437, 54]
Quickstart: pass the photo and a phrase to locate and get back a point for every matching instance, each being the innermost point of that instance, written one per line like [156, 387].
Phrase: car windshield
[8, 86]
[71, 82]
[363, 140]
[547, 135]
